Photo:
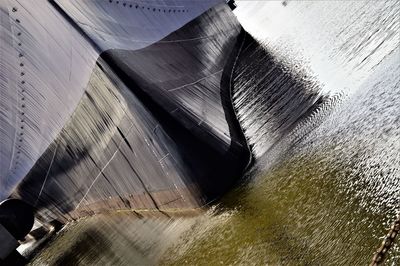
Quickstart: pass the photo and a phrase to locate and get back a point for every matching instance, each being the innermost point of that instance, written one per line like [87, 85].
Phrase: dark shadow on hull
[273, 96]
[215, 169]
[77, 169]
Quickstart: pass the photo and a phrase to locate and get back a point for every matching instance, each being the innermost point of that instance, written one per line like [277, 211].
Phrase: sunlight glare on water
[339, 42]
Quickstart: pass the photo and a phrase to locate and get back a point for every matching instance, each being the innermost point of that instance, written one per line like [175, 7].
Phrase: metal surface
[45, 66]
[150, 123]
[132, 24]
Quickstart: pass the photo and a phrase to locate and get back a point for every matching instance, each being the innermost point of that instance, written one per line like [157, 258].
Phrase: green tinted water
[298, 214]
[302, 212]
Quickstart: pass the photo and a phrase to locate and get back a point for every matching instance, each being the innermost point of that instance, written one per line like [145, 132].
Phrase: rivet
[20, 55]
[19, 44]
[14, 9]
[22, 64]
[18, 21]
[23, 82]
[130, 6]
[22, 73]
[23, 106]
[19, 33]
[23, 99]
[124, 4]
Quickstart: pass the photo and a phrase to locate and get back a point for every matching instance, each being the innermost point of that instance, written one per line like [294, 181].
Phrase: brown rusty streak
[180, 202]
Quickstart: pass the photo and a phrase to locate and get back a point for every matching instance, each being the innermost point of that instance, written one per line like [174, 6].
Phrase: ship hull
[154, 128]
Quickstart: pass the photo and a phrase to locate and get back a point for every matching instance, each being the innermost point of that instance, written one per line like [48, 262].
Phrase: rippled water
[329, 199]
[119, 239]
[310, 47]
[326, 184]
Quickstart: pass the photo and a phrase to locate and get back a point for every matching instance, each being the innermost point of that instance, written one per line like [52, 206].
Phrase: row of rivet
[22, 99]
[150, 8]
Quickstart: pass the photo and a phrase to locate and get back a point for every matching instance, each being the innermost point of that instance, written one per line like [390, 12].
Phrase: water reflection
[302, 212]
[122, 238]
[328, 199]
[298, 214]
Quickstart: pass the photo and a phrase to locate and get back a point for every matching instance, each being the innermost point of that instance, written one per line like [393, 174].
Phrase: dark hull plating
[154, 130]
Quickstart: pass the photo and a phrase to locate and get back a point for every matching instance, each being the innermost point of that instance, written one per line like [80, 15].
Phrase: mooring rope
[387, 243]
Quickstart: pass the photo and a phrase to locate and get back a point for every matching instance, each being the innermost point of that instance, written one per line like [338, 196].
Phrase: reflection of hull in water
[152, 129]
